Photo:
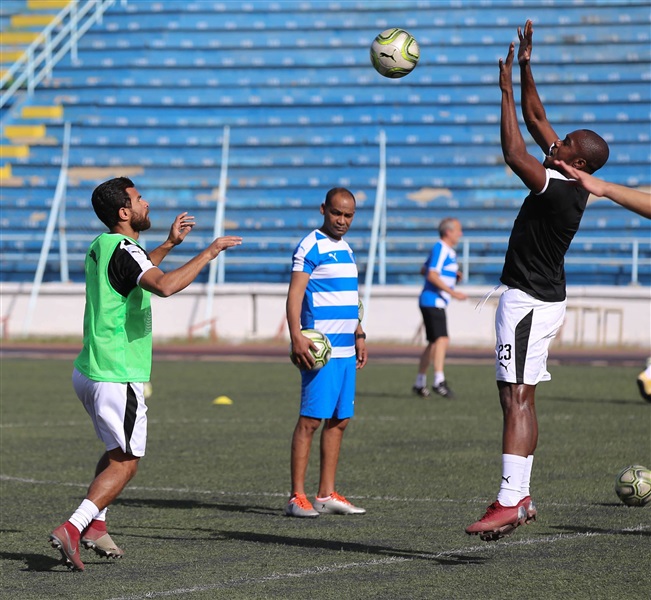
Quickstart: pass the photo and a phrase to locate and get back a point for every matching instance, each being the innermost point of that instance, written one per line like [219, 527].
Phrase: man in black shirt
[532, 309]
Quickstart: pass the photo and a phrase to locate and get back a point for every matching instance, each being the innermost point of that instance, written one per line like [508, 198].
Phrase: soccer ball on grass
[394, 53]
[633, 485]
[323, 348]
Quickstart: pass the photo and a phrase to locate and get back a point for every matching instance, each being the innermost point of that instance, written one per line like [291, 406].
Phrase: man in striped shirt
[323, 295]
[441, 273]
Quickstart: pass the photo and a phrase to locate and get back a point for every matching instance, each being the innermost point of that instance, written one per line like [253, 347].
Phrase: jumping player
[532, 308]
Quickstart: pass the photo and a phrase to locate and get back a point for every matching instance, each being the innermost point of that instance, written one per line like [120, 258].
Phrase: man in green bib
[115, 361]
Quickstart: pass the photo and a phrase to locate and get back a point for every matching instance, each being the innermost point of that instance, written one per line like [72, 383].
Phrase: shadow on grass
[194, 504]
[41, 562]
[337, 546]
[35, 562]
[599, 531]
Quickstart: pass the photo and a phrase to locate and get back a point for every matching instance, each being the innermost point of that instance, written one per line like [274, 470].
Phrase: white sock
[101, 515]
[323, 499]
[526, 477]
[421, 380]
[647, 371]
[512, 474]
[439, 377]
[82, 517]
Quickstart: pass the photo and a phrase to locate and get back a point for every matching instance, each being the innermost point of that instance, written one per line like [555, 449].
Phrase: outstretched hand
[181, 226]
[506, 70]
[592, 184]
[526, 42]
[223, 243]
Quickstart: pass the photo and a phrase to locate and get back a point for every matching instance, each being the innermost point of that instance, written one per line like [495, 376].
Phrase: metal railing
[57, 213]
[277, 250]
[52, 44]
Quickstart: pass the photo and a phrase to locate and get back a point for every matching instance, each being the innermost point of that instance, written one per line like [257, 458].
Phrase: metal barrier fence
[634, 253]
[53, 43]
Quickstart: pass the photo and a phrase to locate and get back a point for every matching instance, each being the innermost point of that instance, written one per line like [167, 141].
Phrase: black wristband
[360, 336]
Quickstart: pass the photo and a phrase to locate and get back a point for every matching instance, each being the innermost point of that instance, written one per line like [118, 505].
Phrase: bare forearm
[293, 309]
[513, 145]
[631, 199]
[182, 225]
[534, 113]
[635, 200]
[435, 279]
[295, 294]
[178, 279]
[158, 254]
[533, 110]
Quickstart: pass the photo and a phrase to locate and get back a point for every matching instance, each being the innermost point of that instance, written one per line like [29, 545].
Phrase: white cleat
[336, 504]
[300, 506]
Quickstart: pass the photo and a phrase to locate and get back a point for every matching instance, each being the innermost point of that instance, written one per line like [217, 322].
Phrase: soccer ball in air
[633, 485]
[394, 53]
[323, 348]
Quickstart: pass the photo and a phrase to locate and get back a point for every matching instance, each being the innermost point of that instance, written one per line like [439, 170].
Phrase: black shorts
[436, 324]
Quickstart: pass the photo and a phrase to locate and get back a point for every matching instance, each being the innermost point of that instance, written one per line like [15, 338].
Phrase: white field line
[227, 422]
[316, 571]
[265, 494]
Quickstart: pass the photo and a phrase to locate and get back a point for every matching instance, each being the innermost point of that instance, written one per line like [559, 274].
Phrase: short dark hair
[109, 197]
[594, 150]
[335, 192]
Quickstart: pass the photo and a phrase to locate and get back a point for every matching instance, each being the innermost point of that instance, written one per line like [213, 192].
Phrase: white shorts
[118, 412]
[524, 328]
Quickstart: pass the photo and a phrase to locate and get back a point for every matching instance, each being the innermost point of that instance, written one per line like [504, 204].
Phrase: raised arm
[634, 200]
[526, 167]
[181, 226]
[533, 111]
[166, 284]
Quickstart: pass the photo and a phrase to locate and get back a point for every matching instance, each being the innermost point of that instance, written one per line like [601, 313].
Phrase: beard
[140, 223]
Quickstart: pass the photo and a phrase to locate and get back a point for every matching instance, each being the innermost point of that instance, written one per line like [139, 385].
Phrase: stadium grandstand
[151, 89]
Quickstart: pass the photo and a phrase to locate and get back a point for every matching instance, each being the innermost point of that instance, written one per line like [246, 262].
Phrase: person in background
[441, 273]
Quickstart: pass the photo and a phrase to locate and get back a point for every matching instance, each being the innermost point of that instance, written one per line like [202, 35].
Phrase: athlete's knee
[516, 395]
[307, 425]
[124, 461]
[335, 423]
[131, 468]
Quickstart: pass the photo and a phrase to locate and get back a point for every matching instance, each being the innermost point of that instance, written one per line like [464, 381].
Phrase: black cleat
[442, 389]
[423, 392]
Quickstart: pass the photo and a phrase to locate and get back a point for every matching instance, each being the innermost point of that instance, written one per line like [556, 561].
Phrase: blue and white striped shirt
[443, 260]
[330, 302]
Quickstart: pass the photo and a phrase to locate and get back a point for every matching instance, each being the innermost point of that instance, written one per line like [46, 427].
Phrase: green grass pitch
[203, 518]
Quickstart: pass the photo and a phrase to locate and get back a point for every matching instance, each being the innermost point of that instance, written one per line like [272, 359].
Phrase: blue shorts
[329, 392]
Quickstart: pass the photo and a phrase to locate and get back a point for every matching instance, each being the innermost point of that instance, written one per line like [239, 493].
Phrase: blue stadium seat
[156, 82]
